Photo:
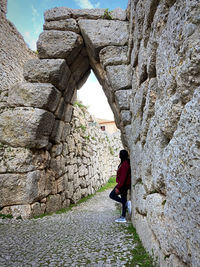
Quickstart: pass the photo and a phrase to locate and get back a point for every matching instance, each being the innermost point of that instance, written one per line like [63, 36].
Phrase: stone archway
[73, 42]
[39, 115]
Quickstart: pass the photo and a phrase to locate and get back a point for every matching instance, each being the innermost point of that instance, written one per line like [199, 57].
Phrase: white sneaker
[121, 220]
[128, 204]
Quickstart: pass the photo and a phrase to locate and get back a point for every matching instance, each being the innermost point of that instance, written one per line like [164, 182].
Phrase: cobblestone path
[85, 236]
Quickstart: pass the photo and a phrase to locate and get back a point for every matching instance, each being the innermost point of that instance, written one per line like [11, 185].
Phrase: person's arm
[124, 169]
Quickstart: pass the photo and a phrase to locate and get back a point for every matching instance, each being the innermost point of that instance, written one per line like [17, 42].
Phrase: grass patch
[107, 14]
[4, 216]
[79, 104]
[140, 256]
[110, 184]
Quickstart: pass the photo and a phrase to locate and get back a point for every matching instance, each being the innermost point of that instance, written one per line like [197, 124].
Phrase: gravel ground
[85, 236]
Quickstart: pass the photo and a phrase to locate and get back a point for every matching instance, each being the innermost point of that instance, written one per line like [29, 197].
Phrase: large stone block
[17, 189]
[59, 44]
[80, 67]
[62, 25]
[26, 127]
[100, 33]
[113, 55]
[22, 160]
[122, 99]
[53, 203]
[37, 95]
[93, 13]
[53, 71]
[119, 76]
[57, 13]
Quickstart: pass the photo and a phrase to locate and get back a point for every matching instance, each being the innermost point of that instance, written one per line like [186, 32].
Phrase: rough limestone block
[68, 113]
[17, 189]
[53, 203]
[140, 199]
[53, 71]
[23, 211]
[59, 44]
[26, 127]
[79, 67]
[119, 76]
[37, 95]
[60, 111]
[62, 25]
[181, 171]
[57, 131]
[118, 14]
[70, 90]
[20, 160]
[100, 33]
[57, 13]
[155, 216]
[113, 55]
[122, 99]
[93, 13]
[125, 117]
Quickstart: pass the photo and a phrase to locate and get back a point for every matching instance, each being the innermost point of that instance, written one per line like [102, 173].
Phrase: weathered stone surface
[80, 67]
[62, 25]
[37, 95]
[26, 188]
[26, 127]
[70, 90]
[119, 76]
[113, 55]
[57, 13]
[59, 44]
[122, 99]
[57, 131]
[25, 161]
[18, 211]
[101, 33]
[125, 117]
[118, 14]
[93, 13]
[53, 203]
[53, 71]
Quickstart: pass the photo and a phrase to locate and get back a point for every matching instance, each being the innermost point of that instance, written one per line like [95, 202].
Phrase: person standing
[123, 179]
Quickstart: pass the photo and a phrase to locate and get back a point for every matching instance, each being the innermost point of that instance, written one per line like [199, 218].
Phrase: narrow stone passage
[85, 236]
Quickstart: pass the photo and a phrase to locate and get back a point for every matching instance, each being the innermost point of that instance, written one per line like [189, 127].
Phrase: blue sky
[28, 17]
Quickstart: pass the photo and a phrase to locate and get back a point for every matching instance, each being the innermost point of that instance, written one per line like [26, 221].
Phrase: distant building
[107, 125]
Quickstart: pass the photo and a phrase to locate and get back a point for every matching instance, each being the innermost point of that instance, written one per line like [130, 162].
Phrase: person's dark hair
[123, 154]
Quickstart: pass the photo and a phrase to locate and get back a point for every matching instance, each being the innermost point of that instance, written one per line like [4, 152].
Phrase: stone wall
[164, 135]
[55, 153]
[14, 53]
[38, 181]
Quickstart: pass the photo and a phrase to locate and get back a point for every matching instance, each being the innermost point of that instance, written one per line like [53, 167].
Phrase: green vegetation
[140, 256]
[86, 137]
[111, 151]
[83, 127]
[93, 138]
[4, 216]
[107, 14]
[79, 104]
[110, 184]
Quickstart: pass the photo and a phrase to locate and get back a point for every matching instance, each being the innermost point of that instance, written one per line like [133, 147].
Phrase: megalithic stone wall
[164, 48]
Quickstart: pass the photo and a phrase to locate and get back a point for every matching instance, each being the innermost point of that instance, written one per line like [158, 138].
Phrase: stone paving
[85, 236]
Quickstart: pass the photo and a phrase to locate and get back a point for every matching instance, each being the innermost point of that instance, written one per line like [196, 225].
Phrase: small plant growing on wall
[107, 14]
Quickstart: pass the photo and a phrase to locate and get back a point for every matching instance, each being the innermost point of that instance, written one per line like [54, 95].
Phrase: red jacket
[124, 175]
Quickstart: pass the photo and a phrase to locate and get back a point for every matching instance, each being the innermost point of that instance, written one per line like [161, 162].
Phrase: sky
[28, 17]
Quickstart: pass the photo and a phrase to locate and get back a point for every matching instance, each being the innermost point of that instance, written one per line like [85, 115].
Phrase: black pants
[122, 199]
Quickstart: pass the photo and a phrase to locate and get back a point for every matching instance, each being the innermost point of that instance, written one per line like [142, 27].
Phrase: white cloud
[92, 95]
[31, 41]
[35, 14]
[86, 4]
